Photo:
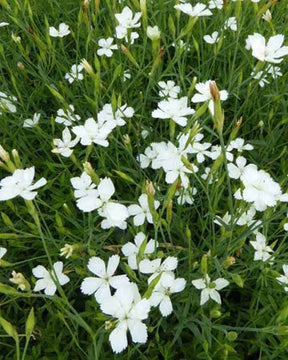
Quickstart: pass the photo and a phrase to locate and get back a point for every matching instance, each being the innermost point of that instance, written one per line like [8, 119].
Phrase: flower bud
[87, 67]
[4, 155]
[20, 66]
[19, 279]
[67, 250]
[153, 33]
[91, 172]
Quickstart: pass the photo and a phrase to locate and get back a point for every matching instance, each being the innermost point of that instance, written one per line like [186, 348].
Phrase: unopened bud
[20, 66]
[108, 325]
[67, 250]
[19, 279]
[153, 33]
[214, 91]
[4, 155]
[16, 158]
[150, 190]
[127, 140]
[229, 261]
[215, 314]
[87, 67]
[91, 172]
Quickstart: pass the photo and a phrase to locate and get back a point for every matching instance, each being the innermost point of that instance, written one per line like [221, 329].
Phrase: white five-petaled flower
[74, 74]
[106, 47]
[215, 4]
[115, 118]
[48, 280]
[174, 109]
[7, 103]
[169, 89]
[20, 184]
[235, 171]
[272, 52]
[204, 95]
[194, 11]
[29, 123]
[141, 211]
[61, 32]
[100, 285]
[155, 267]
[67, 116]
[210, 289]
[93, 132]
[129, 309]
[283, 279]
[262, 251]
[165, 287]
[65, 145]
[85, 193]
[212, 39]
[185, 195]
[239, 145]
[132, 250]
[231, 23]
[259, 188]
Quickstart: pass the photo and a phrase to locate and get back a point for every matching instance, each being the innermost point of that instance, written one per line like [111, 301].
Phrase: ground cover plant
[143, 179]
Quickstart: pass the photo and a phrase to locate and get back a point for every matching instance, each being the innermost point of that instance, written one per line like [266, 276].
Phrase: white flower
[85, 193]
[275, 71]
[115, 214]
[216, 151]
[93, 132]
[155, 267]
[204, 95]
[226, 219]
[129, 309]
[115, 118]
[28, 123]
[107, 47]
[239, 145]
[182, 45]
[272, 52]
[6, 103]
[179, 170]
[260, 76]
[48, 280]
[126, 21]
[210, 289]
[126, 75]
[196, 11]
[153, 33]
[235, 171]
[263, 251]
[247, 218]
[67, 116]
[20, 184]
[185, 195]
[64, 146]
[215, 4]
[166, 286]
[212, 39]
[142, 212]
[75, 74]
[201, 150]
[146, 158]
[3, 251]
[168, 89]
[2, 24]
[231, 23]
[283, 279]
[132, 250]
[100, 285]
[259, 188]
[63, 30]
[175, 109]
